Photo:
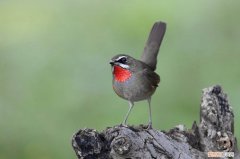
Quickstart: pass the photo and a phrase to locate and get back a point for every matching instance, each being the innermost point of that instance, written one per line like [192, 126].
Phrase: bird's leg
[150, 113]
[129, 110]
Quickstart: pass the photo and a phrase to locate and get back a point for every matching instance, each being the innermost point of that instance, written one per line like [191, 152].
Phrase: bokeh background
[55, 77]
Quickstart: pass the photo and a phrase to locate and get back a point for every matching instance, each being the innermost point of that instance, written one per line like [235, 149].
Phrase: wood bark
[214, 133]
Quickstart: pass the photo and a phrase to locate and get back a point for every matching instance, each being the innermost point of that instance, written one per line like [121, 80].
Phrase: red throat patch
[121, 74]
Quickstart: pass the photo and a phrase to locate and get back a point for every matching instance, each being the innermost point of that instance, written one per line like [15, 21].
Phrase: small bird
[135, 80]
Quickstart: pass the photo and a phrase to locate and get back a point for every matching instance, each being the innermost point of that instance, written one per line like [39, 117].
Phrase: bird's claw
[123, 125]
[149, 126]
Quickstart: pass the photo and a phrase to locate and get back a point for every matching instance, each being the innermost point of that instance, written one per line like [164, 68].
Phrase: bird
[136, 80]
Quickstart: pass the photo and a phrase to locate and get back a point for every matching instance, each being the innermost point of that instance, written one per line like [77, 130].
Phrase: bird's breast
[133, 89]
[120, 74]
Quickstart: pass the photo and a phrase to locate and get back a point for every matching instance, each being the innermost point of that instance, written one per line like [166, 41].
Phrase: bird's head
[122, 67]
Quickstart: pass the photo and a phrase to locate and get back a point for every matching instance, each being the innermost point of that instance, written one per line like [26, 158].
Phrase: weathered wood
[214, 133]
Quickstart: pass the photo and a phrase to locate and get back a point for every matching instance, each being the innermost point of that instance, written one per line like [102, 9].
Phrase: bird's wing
[151, 77]
[149, 55]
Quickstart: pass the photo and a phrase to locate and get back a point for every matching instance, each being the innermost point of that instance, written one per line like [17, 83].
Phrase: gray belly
[134, 89]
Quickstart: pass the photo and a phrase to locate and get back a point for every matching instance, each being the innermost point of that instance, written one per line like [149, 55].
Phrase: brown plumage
[135, 80]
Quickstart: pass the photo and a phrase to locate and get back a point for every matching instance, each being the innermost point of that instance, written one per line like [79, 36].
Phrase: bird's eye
[123, 60]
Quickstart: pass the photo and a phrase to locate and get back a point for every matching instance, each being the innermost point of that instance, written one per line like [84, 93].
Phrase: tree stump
[215, 133]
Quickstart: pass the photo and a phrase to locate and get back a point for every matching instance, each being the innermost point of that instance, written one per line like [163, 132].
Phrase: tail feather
[153, 43]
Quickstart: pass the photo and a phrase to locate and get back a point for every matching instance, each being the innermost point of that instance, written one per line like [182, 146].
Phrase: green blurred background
[55, 77]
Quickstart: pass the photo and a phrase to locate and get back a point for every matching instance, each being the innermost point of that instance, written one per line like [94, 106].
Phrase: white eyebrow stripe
[123, 65]
[120, 58]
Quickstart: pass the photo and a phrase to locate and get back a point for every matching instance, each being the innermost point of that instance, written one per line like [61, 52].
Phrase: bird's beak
[111, 62]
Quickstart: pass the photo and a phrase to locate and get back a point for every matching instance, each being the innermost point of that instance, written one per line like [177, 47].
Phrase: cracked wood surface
[214, 133]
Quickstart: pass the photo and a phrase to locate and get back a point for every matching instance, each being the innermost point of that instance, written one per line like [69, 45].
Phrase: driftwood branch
[215, 133]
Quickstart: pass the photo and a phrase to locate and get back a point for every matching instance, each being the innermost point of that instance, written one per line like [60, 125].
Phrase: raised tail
[149, 55]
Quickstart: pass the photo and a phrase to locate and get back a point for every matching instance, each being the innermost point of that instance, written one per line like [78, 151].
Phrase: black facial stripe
[122, 60]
